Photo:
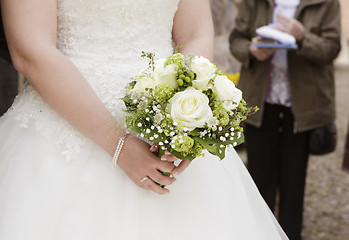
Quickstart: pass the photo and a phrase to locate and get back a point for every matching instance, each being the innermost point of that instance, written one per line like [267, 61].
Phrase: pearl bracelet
[119, 148]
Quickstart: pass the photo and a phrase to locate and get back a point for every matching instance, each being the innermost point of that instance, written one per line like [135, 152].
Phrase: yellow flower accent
[233, 77]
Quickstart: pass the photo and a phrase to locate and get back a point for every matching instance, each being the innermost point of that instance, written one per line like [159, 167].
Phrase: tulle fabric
[44, 197]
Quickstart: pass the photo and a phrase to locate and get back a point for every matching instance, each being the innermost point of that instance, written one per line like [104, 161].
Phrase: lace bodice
[104, 39]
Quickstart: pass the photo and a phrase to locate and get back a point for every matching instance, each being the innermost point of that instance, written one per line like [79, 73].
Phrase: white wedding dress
[55, 184]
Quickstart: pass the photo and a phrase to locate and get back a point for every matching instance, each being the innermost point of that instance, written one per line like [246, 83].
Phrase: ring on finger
[144, 179]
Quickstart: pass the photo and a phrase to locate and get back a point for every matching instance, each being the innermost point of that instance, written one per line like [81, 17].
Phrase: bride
[57, 180]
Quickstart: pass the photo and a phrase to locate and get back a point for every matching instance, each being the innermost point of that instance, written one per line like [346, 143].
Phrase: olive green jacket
[311, 72]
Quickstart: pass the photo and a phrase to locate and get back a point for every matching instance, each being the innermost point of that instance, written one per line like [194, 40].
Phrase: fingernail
[167, 153]
[175, 174]
[163, 158]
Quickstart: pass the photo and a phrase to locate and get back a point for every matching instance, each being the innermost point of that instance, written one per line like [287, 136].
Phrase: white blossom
[227, 92]
[190, 108]
[204, 70]
[165, 74]
[143, 84]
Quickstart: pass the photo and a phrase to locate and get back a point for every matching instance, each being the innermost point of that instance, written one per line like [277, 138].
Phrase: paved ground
[326, 215]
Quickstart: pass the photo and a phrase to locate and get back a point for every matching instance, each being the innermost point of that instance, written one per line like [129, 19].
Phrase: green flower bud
[180, 82]
[187, 79]
[182, 76]
[191, 75]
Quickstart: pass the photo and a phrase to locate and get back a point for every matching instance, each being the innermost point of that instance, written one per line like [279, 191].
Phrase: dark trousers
[277, 161]
[8, 85]
[346, 153]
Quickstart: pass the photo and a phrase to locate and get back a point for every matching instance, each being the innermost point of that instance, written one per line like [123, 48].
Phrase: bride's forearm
[63, 87]
[193, 28]
[31, 33]
[199, 47]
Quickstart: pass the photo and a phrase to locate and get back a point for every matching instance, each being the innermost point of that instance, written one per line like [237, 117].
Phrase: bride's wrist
[119, 147]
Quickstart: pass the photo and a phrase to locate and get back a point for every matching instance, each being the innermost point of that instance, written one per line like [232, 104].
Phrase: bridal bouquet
[186, 105]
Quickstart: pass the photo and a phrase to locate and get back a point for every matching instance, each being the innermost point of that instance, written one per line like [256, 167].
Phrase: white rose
[190, 108]
[166, 74]
[204, 70]
[227, 92]
[143, 83]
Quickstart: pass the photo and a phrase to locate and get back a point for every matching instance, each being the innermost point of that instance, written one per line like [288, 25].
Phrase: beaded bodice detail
[104, 39]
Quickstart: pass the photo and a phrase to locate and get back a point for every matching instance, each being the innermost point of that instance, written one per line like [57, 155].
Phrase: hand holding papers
[273, 38]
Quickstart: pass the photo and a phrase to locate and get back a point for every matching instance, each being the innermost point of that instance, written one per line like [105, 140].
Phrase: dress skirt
[42, 196]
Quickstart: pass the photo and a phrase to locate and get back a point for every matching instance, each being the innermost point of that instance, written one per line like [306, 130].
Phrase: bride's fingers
[180, 168]
[158, 177]
[154, 147]
[138, 181]
[151, 185]
[165, 166]
[168, 157]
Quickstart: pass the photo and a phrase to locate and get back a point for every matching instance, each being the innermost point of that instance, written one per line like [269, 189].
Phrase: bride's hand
[138, 162]
[171, 158]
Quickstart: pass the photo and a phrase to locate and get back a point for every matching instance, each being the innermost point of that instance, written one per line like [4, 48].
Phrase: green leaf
[212, 146]
[180, 156]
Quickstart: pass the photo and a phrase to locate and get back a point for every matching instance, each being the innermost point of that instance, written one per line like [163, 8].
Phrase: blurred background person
[8, 75]
[294, 91]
